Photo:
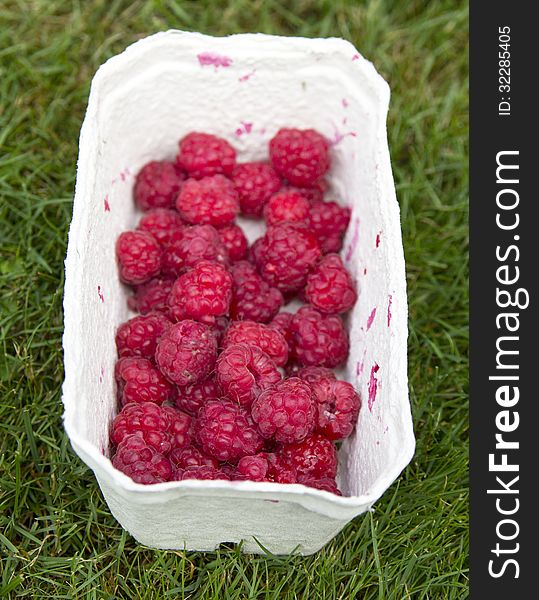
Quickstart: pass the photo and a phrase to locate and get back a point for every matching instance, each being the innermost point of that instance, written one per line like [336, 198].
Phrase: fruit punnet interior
[214, 379]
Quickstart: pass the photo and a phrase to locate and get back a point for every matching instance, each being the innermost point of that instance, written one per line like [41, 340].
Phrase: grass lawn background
[57, 537]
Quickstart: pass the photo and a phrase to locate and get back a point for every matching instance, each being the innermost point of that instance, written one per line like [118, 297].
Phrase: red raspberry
[161, 223]
[139, 335]
[208, 201]
[192, 397]
[243, 371]
[202, 294]
[281, 323]
[287, 205]
[255, 182]
[256, 334]
[313, 374]
[253, 468]
[330, 288]
[151, 296]
[145, 419]
[157, 185]
[314, 193]
[226, 431]
[285, 411]
[338, 406]
[141, 462]
[327, 484]
[253, 298]
[139, 256]
[189, 456]
[188, 246]
[287, 253]
[186, 353]
[202, 472]
[317, 339]
[328, 221]
[279, 471]
[300, 156]
[315, 456]
[204, 155]
[138, 380]
[180, 427]
[235, 241]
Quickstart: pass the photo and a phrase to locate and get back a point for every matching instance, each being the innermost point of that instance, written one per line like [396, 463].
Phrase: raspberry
[313, 374]
[281, 323]
[151, 296]
[280, 471]
[286, 205]
[139, 256]
[202, 294]
[180, 427]
[287, 253]
[256, 334]
[328, 221]
[286, 411]
[204, 155]
[139, 335]
[188, 246]
[300, 156]
[255, 182]
[338, 406]
[202, 472]
[189, 456]
[253, 468]
[327, 484]
[186, 353]
[330, 288]
[253, 298]
[161, 223]
[192, 397]
[317, 339]
[157, 185]
[243, 371]
[138, 380]
[226, 431]
[146, 419]
[315, 456]
[208, 201]
[234, 241]
[141, 462]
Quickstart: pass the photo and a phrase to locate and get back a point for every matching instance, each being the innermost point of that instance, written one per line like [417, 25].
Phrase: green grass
[57, 537]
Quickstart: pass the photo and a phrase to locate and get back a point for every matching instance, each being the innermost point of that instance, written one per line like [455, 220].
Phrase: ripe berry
[315, 456]
[202, 293]
[330, 288]
[328, 221]
[328, 484]
[138, 380]
[285, 411]
[201, 472]
[208, 201]
[161, 223]
[151, 296]
[186, 353]
[204, 155]
[286, 206]
[255, 182]
[253, 468]
[139, 335]
[157, 185]
[281, 323]
[192, 397]
[141, 462]
[300, 156]
[190, 456]
[243, 371]
[285, 256]
[190, 245]
[256, 334]
[234, 240]
[225, 431]
[139, 256]
[317, 339]
[253, 298]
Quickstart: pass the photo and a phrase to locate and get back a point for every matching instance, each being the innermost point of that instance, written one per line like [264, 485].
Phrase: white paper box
[244, 88]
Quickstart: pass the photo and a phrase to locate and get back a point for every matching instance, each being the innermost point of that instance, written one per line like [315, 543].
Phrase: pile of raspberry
[214, 379]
